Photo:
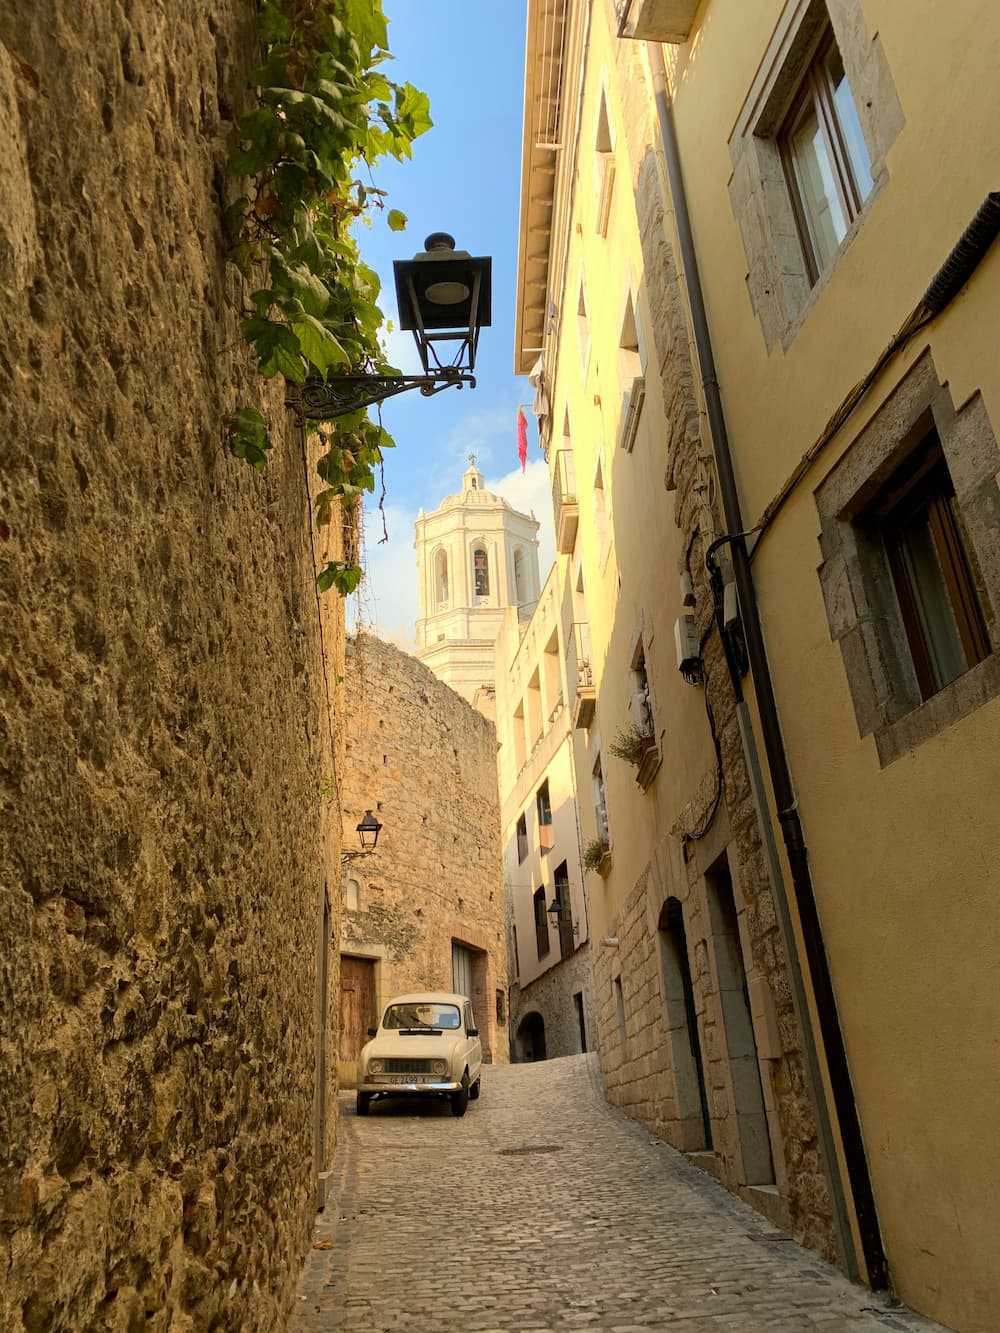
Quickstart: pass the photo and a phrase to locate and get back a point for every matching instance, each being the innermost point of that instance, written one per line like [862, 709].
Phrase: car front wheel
[363, 1103]
[460, 1099]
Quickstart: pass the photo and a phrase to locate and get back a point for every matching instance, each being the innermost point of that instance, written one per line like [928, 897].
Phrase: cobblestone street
[544, 1209]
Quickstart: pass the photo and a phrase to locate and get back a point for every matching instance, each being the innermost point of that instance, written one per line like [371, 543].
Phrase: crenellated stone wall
[164, 726]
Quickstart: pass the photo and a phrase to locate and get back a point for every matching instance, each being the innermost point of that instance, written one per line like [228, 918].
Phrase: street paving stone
[545, 1210]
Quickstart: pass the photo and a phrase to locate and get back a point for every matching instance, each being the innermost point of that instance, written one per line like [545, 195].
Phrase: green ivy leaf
[248, 437]
[318, 344]
[337, 574]
[397, 221]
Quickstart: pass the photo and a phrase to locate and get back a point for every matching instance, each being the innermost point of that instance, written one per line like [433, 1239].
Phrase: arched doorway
[531, 1037]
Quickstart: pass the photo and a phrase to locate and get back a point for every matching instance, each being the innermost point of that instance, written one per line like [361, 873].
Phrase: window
[631, 359]
[541, 924]
[520, 748]
[601, 525]
[620, 1009]
[480, 572]
[929, 560]
[911, 568]
[808, 149]
[533, 704]
[522, 837]
[551, 676]
[352, 895]
[825, 157]
[441, 577]
[604, 168]
[600, 801]
[583, 331]
[546, 833]
[561, 895]
[642, 708]
[544, 805]
[501, 1007]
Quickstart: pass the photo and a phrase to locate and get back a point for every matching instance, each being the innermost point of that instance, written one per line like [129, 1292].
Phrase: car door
[473, 1045]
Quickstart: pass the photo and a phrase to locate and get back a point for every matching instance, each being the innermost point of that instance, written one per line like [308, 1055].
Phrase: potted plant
[632, 744]
[597, 855]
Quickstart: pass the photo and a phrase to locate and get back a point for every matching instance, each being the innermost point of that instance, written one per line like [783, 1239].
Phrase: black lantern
[555, 910]
[444, 298]
[368, 831]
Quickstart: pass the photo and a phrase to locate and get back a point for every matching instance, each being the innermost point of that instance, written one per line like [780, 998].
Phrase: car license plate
[406, 1078]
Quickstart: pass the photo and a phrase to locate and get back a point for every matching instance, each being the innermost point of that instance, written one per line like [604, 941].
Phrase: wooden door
[357, 1014]
[461, 970]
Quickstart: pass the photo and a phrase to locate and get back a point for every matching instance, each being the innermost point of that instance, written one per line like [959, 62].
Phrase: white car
[427, 1045]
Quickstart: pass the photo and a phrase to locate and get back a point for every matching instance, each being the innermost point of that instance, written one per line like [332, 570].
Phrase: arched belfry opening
[441, 588]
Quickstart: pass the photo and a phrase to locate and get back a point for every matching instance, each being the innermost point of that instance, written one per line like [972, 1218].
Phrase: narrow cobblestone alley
[545, 1209]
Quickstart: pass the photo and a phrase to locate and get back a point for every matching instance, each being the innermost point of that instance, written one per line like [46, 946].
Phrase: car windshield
[410, 1016]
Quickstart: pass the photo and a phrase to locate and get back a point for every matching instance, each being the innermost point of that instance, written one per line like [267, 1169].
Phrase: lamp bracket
[352, 856]
[339, 395]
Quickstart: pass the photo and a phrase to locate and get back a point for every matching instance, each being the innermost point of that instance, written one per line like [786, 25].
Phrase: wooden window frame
[925, 487]
[522, 838]
[542, 944]
[815, 92]
[562, 895]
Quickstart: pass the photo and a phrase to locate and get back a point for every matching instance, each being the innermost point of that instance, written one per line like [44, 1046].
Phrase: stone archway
[531, 1037]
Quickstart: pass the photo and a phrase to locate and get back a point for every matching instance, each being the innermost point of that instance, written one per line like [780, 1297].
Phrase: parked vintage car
[426, 1045]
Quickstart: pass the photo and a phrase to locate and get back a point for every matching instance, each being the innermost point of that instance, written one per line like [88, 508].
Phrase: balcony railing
[580, 675]
[565, 505]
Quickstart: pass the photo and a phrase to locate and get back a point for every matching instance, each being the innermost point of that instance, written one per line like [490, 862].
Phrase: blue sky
[464, 178]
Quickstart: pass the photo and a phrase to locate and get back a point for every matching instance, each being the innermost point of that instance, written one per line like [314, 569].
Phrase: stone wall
[552, 997]
[165, 729]
[424, 761]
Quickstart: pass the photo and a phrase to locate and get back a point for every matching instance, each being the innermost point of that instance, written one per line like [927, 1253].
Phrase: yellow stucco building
[757, 290]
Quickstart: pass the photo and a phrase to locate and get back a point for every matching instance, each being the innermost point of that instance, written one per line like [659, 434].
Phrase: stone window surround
[857, 587]
[777, 279]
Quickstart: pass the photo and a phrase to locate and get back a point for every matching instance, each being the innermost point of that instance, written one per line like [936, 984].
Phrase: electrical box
[686, 642]
[730, 606]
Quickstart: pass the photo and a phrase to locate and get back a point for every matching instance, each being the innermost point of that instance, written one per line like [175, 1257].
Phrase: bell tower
[476, 556]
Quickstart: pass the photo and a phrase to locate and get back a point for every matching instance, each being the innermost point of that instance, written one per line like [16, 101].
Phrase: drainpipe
[781, 779]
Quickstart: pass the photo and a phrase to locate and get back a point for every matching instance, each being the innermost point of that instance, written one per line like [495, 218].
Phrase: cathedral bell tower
[476, 556]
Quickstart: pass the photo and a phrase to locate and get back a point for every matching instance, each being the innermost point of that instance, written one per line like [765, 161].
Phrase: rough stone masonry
[165, 735]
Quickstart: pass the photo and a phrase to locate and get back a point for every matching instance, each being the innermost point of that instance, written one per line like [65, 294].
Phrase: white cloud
[401, 351]
[386, 602]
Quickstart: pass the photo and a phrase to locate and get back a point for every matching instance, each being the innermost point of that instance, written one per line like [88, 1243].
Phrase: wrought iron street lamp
[444, 298]
[559, 916]
[368, 831]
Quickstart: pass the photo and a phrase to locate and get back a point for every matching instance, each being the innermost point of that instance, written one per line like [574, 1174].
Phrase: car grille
[407, 1066]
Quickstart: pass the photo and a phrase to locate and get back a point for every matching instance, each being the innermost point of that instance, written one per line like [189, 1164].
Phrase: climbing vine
[323, 115]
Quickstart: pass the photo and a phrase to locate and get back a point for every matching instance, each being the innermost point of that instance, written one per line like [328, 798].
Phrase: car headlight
[439, 1066]
[375, 1066]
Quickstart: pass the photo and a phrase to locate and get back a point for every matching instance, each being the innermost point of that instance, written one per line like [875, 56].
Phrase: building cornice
[543, 124]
